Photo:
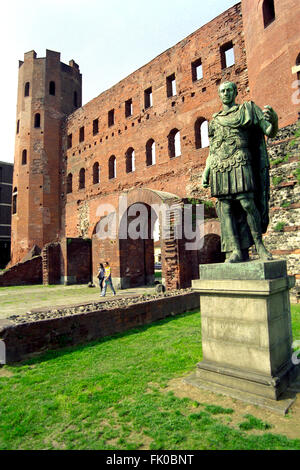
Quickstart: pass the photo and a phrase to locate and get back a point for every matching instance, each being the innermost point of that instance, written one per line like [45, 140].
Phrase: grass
[253, 423]
[276, 180]
[279, 227]
[111, 394]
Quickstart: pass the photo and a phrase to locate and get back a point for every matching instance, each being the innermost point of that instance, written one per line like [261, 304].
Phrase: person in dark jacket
[101, 275]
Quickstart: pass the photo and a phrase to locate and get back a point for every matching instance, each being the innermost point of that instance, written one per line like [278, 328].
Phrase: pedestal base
[246, 332]
[280, 406]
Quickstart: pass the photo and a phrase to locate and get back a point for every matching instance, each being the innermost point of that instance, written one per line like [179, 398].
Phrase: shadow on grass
[56, 353]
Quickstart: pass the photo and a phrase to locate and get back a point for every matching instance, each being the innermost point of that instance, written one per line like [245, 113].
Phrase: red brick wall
[193, 100]
[76, 260]
[51, 256]
[271, 54]
[37, 220]
[29, 272]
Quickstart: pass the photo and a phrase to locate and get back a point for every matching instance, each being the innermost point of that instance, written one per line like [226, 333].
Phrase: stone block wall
[24, 340]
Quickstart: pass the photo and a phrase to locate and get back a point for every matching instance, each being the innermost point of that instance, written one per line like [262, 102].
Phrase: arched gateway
[130, 250]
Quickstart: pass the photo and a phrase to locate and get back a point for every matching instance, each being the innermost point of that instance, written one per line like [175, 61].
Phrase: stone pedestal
[246, 331]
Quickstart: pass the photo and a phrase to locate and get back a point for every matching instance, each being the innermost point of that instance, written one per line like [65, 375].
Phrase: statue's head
[228, 92]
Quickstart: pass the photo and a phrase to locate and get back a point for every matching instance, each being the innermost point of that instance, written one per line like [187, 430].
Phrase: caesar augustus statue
[237, 169]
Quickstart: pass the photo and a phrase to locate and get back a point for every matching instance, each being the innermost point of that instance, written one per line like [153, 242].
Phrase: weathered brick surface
[22, 341]
[75, 260]
[271, 56]
[29, 272]
[38, 179]
[192, 101]
[51, 256]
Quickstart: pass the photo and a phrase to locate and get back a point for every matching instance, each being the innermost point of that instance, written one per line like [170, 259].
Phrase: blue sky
[108, 39]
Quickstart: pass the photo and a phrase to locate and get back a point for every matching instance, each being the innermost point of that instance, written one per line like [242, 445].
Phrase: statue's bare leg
[254, 222]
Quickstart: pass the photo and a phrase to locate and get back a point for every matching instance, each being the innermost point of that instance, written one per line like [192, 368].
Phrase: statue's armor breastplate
[229, 147]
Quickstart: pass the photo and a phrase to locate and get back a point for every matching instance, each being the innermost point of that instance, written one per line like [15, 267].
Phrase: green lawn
[111, 395]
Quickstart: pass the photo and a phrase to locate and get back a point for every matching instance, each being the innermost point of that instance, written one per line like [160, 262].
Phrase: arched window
[268, 12]
[69, 183]
[201, 133]
[112, 167]
[14, 200]
[82, 178]
[24, 157]
[96, 173]
[150, 153]
[174, 143]
[37, 120]
[130, 160]
[18, 126]
[27, 89]
[75, 99]
[52, 88]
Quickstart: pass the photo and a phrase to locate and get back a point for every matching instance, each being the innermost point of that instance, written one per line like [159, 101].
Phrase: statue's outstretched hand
[270, 114]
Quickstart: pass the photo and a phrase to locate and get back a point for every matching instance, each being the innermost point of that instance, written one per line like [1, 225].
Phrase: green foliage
[295, 138]
[209, 204]
[253, 423]
[276, 180]
[279, 226]
[280, 160]
[285, 205]
[194, 201]
[216, 410]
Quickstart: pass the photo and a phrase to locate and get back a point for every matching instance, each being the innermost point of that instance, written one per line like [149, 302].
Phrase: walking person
[100, 275]
[107, 280]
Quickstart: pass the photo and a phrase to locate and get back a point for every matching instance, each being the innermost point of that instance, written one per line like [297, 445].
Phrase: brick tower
[48, 90]
[271, 29]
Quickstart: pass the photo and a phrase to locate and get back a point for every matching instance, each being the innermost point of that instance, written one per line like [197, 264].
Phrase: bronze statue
[237, 170]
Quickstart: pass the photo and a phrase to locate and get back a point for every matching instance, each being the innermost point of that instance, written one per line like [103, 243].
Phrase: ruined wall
[27, 273]
[193, 100]
[32, 338]
[51, 259]
[283, 236]
[75, 260]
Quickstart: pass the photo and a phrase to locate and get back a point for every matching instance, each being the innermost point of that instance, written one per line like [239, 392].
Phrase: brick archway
[176, 263]
[132, 260]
